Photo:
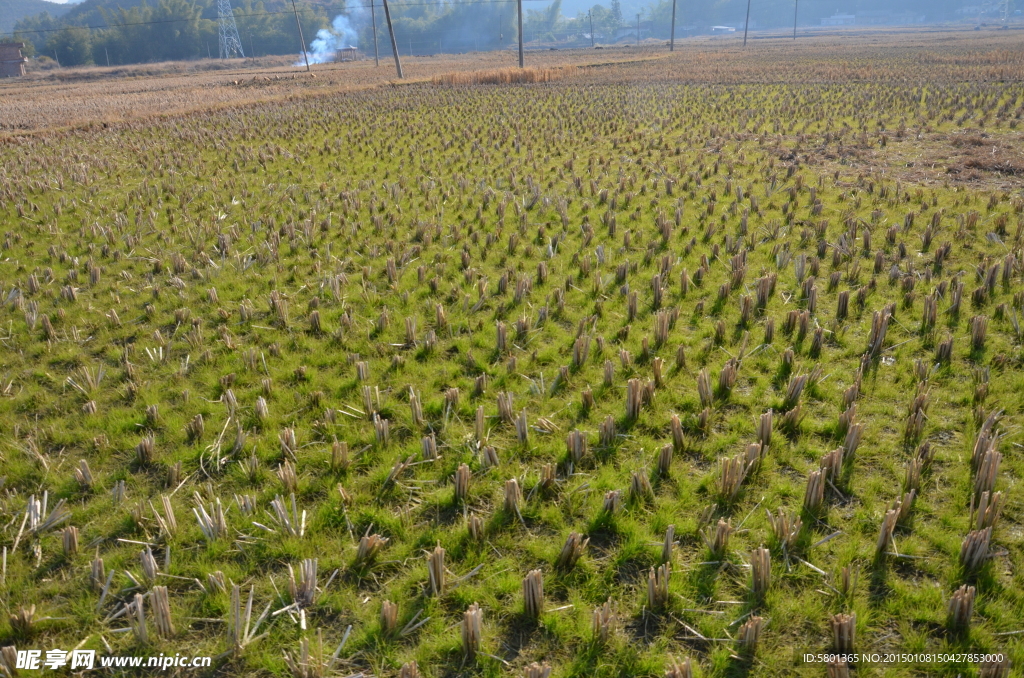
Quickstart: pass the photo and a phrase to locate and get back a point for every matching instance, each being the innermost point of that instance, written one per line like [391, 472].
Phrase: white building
[839, 20]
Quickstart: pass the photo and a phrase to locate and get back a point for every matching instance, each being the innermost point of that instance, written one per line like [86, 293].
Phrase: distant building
[839, 20]
[887, 18]
[12, 64]
[629, 31]
[348, 54]
[716, 30]
[873, 18]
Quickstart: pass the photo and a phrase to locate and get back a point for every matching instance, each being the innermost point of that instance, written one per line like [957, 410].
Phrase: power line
[253, 14]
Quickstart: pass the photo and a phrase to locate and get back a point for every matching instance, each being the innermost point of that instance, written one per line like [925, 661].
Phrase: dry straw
[764, 430]
[535, 670]
[505, 76]
[462, 477]
[607, 432]
[998, 667]
[989, 508]
[889, 521]
[683, 669]
[717, 539]
[576, 446]
[704, 388]
[369, 546]
[731, 474]
[844, 627]
[793, 391]
[664, 462]
[436, 570]
[69, 540]
[572, 551]
[640, 487]
[814, 493]
[522, 428]
[988, 469]
[657, 586]
[211, 518]
[475, 527]
[472, 630]
[388, 618]
[612, 502]
[785, 528]
[533, 594]
[303, 590]
[513, 495]
[162, 612]
[605, 622]
[749, 635]
[979, 328]
[961, 607]
[832, 464]
[974, 550]
[760, 572]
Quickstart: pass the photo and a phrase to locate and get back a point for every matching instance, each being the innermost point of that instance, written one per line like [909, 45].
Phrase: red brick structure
[12, 64]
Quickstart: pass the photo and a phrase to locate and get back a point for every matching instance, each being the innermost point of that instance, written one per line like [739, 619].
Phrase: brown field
[90, 95]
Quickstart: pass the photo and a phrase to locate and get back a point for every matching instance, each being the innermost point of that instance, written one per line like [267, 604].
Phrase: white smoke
[344, 32]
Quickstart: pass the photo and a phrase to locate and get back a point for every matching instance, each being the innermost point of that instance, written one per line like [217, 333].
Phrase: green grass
[290, 197]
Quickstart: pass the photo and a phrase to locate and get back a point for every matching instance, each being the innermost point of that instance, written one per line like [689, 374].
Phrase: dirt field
[71, 97]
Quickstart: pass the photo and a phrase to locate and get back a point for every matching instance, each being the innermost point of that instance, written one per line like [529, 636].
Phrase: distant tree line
[187, 29]
[169, 30]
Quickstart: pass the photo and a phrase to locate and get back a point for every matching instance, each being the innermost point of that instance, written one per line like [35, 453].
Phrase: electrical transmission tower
[230, 45]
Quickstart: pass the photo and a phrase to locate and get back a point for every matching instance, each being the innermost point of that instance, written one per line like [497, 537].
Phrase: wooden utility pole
[746, 24]
[373, 18]
[796, 6]
[672, 32]
[519, 7]
[302, 41]
[591, 17]
[637, 30]
[394, 43]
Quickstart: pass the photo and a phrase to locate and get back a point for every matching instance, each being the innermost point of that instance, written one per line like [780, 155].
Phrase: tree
[36, 30]
[177, 31]
[72, 46]
[540, 24]
[615, 14]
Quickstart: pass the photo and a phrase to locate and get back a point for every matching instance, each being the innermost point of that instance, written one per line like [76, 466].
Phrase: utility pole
[108, 56]
[252, 52]
[746, 24]
[394, 44]
[373, 18]
[672, 32]
[58, 60]
[519, 5]
[796, 6]
[591, 17]
[302, 41]
[637, 30]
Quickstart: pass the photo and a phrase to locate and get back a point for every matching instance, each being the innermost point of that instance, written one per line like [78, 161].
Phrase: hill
[12, 11]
